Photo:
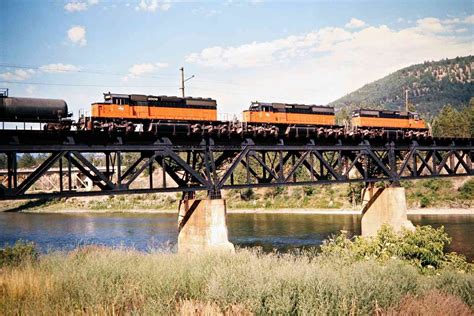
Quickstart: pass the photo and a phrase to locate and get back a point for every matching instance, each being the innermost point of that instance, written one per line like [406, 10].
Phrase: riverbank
[419, 211]
[431, 196]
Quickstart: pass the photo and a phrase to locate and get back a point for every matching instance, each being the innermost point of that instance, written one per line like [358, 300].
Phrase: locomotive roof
[295, 105]
[383, 111]
[139, 96]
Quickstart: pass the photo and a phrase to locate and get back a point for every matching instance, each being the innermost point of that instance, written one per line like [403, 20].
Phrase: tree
[343, 116]
[469, 114]
[451, 123]
[26, 161]
[3, 161]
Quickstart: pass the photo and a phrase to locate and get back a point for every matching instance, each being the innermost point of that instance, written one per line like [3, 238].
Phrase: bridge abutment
[386, 206]
[203, 226]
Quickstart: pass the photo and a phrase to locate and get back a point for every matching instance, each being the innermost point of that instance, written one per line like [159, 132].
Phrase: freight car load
[53, 112]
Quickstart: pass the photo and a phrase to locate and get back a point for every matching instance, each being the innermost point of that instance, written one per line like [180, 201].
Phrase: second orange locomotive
[284, 113]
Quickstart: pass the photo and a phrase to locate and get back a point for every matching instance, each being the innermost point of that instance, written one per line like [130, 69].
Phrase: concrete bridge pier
[385, 206]
[203, 226]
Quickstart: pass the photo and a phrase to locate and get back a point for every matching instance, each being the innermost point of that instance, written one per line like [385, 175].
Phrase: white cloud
[143, 69]
[322, 65]
[355, 24]
[24, 74]
[264, 53]
[432, 25]
[451, 21]
[469, 19]
[153, 5]
[57, 68]
[77, 35]
[17, 75]
[79, 5]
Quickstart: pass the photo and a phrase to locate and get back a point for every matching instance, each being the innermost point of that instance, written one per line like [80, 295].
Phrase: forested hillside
[430, 86]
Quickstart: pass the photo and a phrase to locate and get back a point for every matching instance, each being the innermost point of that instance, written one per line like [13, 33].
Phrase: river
[153, 231]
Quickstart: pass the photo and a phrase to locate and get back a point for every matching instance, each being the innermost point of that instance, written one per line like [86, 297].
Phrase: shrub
[17, 254]
[247, 194]
[308, 190]
[423, 248]
[432, 303]
[432, 185]
[425, 202]
[467, 190]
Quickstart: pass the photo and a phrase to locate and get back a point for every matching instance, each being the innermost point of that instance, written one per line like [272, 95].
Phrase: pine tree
[451, 123]
[469, 114]
[27, 161]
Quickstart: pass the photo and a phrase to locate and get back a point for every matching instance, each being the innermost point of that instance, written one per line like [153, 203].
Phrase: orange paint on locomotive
[116, 111]
[388, 122]
[288, 118]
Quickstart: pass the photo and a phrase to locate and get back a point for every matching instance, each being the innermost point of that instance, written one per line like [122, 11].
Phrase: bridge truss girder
[212, 167]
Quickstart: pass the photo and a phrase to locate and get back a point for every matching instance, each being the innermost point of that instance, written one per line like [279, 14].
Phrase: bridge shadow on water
[29, 205]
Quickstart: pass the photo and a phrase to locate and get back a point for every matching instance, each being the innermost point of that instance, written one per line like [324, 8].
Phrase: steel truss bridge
[211, 162]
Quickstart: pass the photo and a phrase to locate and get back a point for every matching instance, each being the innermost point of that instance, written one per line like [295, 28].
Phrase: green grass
[439, 193]
[124, 281]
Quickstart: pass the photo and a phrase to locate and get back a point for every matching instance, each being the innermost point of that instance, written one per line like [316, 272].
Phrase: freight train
[123, 112]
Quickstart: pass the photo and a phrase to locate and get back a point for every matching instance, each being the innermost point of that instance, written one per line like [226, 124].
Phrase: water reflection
[145, 231]
[459, 227]
[285, 231]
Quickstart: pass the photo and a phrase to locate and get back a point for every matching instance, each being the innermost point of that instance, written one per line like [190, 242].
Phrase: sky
[238, 51]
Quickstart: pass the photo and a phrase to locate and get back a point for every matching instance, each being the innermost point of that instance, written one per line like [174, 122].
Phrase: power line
[85, 71]
[85, 85]
[157, 76]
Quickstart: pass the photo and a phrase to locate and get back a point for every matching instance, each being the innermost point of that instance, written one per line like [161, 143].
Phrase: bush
[424, 201]
[247, 194]
[467, 190]
[17, 254]
[432, 303]
[423, 248]
[308, 190]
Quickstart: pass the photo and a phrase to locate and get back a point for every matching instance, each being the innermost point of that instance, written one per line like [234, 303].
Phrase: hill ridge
[430, 85]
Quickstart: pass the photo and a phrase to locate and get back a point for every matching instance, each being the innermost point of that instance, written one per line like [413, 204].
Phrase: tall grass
[120, 281]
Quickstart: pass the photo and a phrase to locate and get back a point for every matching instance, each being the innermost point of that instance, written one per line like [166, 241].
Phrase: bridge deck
[189, 162]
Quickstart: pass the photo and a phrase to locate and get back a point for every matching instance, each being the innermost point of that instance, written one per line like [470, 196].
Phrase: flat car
[283, 113]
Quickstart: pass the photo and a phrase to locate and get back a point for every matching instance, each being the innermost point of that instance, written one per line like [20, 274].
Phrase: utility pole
[183, 80]
[406, 99]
